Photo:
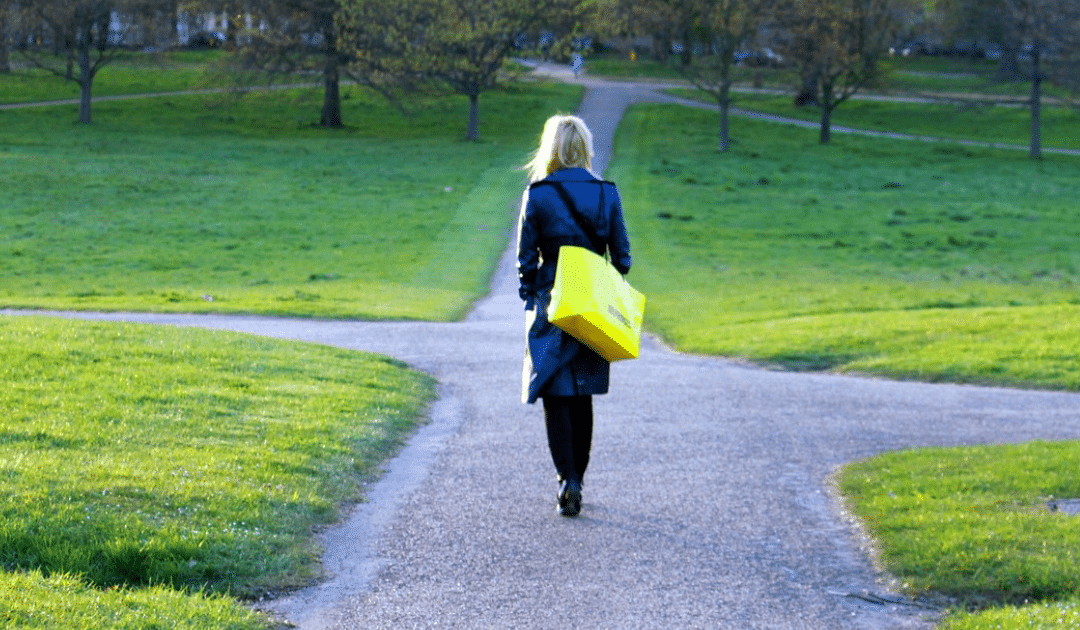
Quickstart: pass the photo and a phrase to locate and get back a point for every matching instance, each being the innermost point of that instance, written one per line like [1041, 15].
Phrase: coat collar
[572, 175]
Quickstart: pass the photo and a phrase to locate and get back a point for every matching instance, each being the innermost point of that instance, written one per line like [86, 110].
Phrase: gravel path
[706, 505]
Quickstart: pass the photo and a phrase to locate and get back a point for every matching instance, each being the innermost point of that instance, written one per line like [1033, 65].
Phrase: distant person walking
[566, 204]
[577, 64]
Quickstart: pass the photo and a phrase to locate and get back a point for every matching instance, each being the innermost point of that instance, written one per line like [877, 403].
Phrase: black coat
[556, 364]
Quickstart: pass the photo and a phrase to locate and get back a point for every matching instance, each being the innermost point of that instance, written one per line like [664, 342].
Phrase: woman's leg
[569, 421]
[560, 435]
[581, 423]
[569, 428]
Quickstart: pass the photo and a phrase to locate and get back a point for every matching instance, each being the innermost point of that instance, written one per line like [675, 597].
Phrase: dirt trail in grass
[707, 504]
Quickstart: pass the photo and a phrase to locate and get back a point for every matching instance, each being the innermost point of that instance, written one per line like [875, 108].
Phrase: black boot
[570, 497]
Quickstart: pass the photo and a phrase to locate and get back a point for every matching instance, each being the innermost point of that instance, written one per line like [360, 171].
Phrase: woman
[565, 205]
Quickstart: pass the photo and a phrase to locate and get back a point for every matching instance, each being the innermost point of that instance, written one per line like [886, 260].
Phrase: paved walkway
[707, 504]
[653, 91]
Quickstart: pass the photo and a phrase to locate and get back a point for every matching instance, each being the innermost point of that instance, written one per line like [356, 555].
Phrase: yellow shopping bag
[594, 303]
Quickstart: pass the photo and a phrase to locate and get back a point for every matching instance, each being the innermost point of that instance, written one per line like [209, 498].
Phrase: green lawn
[976, 524]
[910, 260]
[160, 473]
[30, 601]
[983, 123]
[198, 204]
[1058, 615]
[898, 75]
[645, 67]
[215, 454]
[136, 455]
[134, 73]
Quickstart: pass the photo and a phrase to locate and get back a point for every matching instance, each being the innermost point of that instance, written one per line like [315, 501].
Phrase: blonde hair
[566, 142]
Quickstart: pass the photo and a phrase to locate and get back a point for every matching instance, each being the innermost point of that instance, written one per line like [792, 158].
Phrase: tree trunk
[1036, 104]
[663, 51]
[86, 77]
[725, 138]
[331, 110]
[1009, 64]
[102, 41]
[807, 94]
[173, 23]
[724, 101]
[826, 124]
[687, 55]
[5, 59]
[232, 29]
[827, 107]
[473, 135]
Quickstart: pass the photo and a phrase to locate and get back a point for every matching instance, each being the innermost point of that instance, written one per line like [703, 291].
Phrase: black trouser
[569, 422]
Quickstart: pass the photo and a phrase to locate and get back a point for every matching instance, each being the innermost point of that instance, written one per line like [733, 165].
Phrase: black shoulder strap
[581, 221]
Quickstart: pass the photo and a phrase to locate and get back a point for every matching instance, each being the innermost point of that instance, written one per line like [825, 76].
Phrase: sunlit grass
[1063, 615]
[981, 122]
[889, 257]
[133, 455]
[29, 600]
[190, 204]
[978, 524]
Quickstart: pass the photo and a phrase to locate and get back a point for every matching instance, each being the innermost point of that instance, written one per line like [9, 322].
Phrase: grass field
[924, 261]
[200, 204]
[159, 474]
[31, 601]
[200, 461]
[959, 121]
[904, 259]
[130, 74]
[976, 524]
[898, 75]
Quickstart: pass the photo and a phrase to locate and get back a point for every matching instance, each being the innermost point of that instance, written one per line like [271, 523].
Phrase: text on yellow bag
[593, 302]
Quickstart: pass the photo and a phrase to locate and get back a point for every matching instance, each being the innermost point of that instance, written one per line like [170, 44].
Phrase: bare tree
[296, 36]
[669, 24]
[837, 44]
[75, 34]
[721, 28]
[624, 19]
[1048, 34]
[463, 44]
[971, 24]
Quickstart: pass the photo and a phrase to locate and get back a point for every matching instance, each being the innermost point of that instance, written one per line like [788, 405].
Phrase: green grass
[135, 455]
[1034, 346]
[974, 523]
[953, 75]
[135, 73]
[615, 65]
[900, 76]
[1064, 615]
[197, 204]
[927, 261]
[911, 260]
[29, 601]
[150, 466]
[984, 123]
[907, 82]
[618, 66]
